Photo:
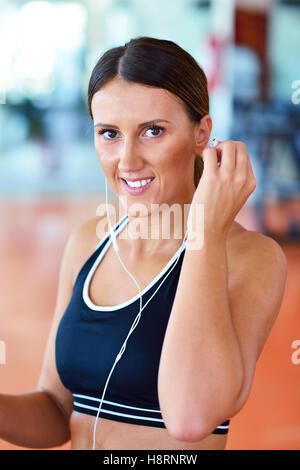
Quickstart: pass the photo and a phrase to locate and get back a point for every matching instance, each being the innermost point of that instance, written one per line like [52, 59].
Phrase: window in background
[44, 117]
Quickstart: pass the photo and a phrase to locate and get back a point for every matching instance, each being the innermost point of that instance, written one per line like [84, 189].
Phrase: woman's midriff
[114, 435]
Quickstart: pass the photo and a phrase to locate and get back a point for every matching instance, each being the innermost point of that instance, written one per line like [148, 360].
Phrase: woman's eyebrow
[140, 125]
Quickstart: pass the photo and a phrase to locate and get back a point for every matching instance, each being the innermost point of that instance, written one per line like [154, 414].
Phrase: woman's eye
[108, 132]
[155, 129]
[103, 131]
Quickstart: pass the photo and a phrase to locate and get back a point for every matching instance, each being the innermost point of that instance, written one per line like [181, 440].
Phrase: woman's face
[130, 147]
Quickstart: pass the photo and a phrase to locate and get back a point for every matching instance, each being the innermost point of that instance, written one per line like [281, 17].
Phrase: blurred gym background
[50, 178]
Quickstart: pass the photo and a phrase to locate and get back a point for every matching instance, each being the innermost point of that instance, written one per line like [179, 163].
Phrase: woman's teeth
[138, 184]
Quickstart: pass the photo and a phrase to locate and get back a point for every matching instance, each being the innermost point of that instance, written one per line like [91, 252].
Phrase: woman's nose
[129, 158]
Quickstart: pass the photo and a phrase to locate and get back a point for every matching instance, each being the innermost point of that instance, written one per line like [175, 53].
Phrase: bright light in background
[32, 37]
[36, 52]
[7, 47]
[69, 26]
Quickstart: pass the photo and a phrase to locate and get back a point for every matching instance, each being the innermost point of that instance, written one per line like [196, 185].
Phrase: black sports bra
[89, 337]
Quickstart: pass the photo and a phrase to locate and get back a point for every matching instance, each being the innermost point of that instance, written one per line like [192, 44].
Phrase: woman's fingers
[210, 160]
[224, 188]
[228, 158]
[242, 163]
[235, 161]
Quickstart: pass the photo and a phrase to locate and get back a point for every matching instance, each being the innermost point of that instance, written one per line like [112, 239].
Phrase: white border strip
[117, 414]
[85, 290]
[124, 406]
[86, 397]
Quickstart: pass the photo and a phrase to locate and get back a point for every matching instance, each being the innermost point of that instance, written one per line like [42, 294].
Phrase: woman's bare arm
[33, 420]
[216, 332]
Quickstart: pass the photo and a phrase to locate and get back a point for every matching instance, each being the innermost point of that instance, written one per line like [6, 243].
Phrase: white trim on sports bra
[109, 308]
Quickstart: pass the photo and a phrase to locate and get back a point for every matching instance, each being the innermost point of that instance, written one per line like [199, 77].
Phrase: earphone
[137, 318]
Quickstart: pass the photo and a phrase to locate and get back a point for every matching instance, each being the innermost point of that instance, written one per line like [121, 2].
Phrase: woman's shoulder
[85, 238]
[244, 245]
[240, 237]
[89, 232]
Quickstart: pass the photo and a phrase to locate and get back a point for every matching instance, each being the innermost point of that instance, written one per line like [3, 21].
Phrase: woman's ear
[202, 134]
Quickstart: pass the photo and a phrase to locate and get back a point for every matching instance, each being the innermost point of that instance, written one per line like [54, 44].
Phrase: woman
[189, 364]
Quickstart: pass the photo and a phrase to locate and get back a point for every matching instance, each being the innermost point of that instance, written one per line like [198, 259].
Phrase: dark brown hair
[158, 63]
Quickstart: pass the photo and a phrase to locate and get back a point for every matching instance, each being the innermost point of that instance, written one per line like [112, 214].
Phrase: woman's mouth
[137, 187]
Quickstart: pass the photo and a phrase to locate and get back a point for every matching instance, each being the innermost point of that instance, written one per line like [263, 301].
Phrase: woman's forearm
[32, 420]
[201, 369]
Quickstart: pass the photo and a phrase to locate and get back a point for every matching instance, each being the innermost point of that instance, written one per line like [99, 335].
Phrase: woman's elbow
[187, 434]
[189, 429]
[196, 426]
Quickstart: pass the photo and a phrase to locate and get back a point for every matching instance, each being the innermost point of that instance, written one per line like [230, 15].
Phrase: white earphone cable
[137, 318]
